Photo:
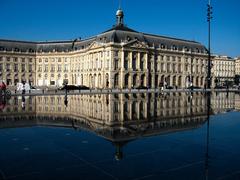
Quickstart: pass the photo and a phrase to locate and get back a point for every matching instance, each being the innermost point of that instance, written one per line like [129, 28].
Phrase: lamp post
[209, 17]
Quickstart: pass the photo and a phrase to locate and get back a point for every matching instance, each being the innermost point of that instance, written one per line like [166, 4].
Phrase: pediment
[136, 44]
[95, 45]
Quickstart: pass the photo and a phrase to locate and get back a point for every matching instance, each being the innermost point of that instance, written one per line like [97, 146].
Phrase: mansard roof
[118, 34]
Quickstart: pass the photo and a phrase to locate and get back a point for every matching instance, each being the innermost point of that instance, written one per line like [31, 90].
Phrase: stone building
[237, 66]
[117, 58]
[223, 71]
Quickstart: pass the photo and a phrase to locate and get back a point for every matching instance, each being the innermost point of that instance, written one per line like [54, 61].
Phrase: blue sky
[40, 20]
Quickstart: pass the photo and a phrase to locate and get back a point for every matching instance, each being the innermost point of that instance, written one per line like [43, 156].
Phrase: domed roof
[119, 12]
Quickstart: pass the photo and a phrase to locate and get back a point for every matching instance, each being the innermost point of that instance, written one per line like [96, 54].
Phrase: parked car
[68, 87]
[73, 87]
[194, 87]
[81, 87]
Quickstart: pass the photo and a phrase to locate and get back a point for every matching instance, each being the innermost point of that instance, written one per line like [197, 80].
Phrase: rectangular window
[23, 68]
[39, 68]
[8, 67]
[46, 68]
[168, 58]
[16, 67]
[116, 64]
[1, 67]
[30, 67]
[116, 53]
[59, 68]
[65, 68]
[52, 68]
[107, 65]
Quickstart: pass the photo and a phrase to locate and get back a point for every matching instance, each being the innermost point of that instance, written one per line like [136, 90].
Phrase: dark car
[81, 87]
[141, 87]
[194, 87]
[68, 87]
[73, 87]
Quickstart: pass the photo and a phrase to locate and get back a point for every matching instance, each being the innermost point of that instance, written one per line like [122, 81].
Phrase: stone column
[121, 74]
[145, 68]
[138, 61]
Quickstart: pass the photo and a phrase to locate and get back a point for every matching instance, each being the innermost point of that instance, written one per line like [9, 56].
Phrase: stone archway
[143, 79]
[116, 80]
[168, 80]
[126, 81]
[180, 81]
[174, 81]
[99, 81]
[107, 80]
[197, 81]
[156, 81]
[134, 84]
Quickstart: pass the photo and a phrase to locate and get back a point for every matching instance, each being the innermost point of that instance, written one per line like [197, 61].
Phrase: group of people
[23, 87]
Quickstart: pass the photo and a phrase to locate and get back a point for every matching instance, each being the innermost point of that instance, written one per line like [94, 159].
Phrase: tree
[237, 79]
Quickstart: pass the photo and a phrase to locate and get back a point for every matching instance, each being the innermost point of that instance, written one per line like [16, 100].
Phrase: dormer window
[174, 47]
[128, 38]
[197, 50]
[2, 48]
[163, 46]
[16, 49]
[186, 49]
[30, 50]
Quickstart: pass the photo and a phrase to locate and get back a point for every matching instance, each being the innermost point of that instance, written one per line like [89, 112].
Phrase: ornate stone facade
[223, 71]
[237, 66]
[117, 58]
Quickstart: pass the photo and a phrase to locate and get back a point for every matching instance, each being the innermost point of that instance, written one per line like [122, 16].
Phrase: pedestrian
[23, 88]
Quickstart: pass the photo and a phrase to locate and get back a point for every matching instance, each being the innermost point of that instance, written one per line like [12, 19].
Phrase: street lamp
[209, 17]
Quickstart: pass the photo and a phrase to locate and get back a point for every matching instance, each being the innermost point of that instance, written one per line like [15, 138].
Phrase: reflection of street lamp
[207, 142]
[209, 17]
[191, 80]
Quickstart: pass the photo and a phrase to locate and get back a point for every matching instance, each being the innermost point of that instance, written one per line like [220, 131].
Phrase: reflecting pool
[121, 136]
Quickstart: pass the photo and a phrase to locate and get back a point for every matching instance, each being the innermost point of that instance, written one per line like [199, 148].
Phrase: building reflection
[119, 118]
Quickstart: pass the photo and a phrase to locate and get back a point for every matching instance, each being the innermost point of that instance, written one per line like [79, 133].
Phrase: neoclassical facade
[223, 70]
[117, 58]
[237, 66]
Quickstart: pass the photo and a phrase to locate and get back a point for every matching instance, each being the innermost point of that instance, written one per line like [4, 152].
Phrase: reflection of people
[23, 88]
[2, 102]
[23, 102]
[66, 101]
